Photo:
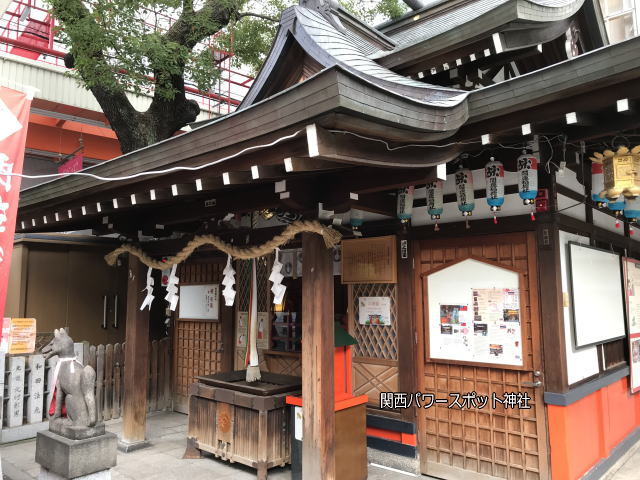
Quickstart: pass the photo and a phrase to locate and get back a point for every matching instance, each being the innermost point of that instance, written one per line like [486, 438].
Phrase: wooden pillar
[318, 460]
[136, 360]
[407, 336]
[552, 308]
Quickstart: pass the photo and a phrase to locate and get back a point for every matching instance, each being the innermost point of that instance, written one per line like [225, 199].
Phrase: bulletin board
[631, 269]
[199, 302]
[597, 297]
[475, 314]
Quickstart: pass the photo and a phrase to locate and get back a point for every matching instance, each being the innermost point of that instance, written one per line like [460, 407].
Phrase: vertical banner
[631, 271]
[74, 164]
[14, 120]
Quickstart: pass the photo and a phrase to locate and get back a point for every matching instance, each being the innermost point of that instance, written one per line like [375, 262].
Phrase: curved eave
[477, 21]
[332, 91]
[326, 45]
[605, 67]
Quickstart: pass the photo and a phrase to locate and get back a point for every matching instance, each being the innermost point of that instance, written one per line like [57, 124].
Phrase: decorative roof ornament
[328, 9]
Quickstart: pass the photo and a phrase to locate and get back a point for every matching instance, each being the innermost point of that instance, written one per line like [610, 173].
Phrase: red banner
[74, 164]
[14, 120]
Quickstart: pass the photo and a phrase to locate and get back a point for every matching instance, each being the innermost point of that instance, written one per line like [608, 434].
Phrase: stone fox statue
[74, 383]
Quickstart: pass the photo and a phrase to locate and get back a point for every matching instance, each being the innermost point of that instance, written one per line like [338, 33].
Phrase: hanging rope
[331, 239]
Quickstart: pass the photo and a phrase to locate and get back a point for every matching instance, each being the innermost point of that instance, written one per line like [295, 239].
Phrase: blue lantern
[494, 176]
[632, 208]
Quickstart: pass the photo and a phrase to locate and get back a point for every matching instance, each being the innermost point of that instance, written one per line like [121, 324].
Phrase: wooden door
[483, 443]
[201, 347]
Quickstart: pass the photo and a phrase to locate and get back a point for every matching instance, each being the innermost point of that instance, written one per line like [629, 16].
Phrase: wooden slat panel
[504, 443]
[198, 344]
[108, 382]
[100, 382]
[117, 380]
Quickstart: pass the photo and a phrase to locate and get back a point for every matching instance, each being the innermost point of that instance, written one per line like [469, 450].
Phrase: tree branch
[257, 15]
[70, 12]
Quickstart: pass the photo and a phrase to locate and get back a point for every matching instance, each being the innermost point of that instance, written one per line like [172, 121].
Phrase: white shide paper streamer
[228, 293]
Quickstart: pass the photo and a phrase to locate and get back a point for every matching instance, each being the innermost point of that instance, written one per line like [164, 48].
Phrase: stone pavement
[163, 460]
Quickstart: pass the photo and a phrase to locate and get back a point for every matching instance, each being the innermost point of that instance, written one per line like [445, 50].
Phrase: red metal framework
[28, 30]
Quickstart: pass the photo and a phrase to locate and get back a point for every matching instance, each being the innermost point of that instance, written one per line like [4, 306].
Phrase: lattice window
[375, 341]
[243, 282]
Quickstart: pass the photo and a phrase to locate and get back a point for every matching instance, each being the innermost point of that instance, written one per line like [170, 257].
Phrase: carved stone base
[63, 427]
[75, 458]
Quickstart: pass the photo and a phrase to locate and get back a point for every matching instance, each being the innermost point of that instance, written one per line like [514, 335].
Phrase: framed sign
[475, 314]
[369, 260]
[199, 302]
[374, 311]
[597, 298]
[631, 269]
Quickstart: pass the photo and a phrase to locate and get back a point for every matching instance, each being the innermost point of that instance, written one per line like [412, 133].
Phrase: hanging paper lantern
[527, 178]
[617, 205]
[494, 176]
[357, 218]
[464, 191]
[597, 185]
[619, 169]
[405, 203]
[435, 202]
[632, 209]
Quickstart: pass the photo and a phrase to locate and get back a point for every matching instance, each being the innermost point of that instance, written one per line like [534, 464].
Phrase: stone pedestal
[63, 458]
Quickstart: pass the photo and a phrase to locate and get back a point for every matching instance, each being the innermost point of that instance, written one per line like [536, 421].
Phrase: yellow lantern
[621, 172]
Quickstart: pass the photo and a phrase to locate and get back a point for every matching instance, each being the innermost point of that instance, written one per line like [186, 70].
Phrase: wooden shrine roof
[345, 95]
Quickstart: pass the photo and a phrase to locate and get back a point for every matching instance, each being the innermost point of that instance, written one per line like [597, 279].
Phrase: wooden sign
[369, 260]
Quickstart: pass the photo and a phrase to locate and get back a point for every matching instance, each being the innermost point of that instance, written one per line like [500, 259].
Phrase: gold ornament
[621, 171]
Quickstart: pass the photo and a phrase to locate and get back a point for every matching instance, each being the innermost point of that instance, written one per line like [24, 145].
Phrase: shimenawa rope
[331, 239]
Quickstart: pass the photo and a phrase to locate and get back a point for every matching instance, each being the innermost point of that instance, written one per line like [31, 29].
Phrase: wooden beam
[348, 148]
[318, 440]
[306, 164]
[136, 357]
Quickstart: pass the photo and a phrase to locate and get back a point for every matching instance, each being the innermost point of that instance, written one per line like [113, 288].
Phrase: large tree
[120, 46]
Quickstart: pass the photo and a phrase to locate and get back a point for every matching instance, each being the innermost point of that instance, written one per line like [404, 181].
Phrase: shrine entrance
[201, 346]
[480, 441]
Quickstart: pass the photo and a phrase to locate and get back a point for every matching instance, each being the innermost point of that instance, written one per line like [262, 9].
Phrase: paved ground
[627, 468]
[163, 460]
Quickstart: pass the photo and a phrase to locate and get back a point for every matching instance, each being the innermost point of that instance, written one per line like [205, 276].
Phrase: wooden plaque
[369, 260]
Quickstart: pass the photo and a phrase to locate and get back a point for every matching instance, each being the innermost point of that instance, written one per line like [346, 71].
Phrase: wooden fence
[108, 362]
[27, 390]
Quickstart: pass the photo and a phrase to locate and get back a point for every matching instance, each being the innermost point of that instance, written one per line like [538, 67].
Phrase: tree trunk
[136, 130]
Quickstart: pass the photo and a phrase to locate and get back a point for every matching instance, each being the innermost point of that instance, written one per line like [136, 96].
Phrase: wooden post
[318, 460]
[407, 340]
[552, 309]
[136, 354]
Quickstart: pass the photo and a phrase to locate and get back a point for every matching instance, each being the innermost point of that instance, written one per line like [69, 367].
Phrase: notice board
[369, 260]
[597, 299]
[631, 269]
[199, 302]
[475, 314]
[18, 335]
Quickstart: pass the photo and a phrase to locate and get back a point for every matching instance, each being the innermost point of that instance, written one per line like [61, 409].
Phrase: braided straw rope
[331, 239]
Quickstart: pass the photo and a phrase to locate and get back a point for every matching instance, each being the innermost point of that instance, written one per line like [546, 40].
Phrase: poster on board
[263, 336]
[475, 314]
[18, 335]
[631, 271]
[374, 311]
